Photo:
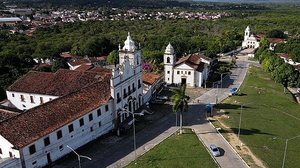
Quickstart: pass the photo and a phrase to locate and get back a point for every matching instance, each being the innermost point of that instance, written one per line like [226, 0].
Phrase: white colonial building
[191, 70]
[250, 41]
[68, 108]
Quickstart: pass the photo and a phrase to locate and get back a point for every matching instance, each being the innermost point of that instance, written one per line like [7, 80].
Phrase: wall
[184, 72]
[7, 147]
[15, 99]
[79, 137]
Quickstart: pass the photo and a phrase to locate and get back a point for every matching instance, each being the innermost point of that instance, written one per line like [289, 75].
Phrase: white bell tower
[169, 63]
[247, 33]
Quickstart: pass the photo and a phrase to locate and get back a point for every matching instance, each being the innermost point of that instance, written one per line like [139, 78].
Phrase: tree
[59, 63]
[275, 34]
[113, 57]
[180, 102]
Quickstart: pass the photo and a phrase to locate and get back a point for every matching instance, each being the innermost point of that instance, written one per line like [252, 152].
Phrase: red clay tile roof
[37, 122]
[68, 55]
[193, 60]
[297, 67]
[284, 55]
[84, 67]
[60, 83]
[275, 40]
[6, 114]
[149, 78]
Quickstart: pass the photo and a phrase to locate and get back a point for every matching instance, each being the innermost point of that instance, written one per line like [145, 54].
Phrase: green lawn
[270, 117]
[177, 151]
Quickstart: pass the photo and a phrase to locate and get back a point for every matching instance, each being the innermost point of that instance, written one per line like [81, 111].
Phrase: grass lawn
[269, 117]
[177, 151]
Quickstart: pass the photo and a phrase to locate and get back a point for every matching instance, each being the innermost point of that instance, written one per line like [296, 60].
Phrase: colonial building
[68, 107]
[191, 70]
[250, 41]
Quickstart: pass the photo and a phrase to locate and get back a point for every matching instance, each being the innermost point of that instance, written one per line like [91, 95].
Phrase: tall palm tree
[180, 103]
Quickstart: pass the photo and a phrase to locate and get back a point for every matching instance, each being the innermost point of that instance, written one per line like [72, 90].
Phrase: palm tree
[180, 102]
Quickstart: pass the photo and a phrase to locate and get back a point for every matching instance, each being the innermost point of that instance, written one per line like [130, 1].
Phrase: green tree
[180, 102]
[113, 57]
[59, 63]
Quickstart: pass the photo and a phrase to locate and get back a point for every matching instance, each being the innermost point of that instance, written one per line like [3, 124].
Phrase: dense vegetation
[96, 38]
[281, 72]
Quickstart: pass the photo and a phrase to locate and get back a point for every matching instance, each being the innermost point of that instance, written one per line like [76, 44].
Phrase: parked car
[162, 97]
[214, 150]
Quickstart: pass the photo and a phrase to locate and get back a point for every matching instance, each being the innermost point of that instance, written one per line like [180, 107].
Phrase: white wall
[169, 74]
[184, 72]
[79, 137]
[15, 99]
[7, 147]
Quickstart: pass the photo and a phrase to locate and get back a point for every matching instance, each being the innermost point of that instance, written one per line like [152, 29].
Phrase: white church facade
[69, 108]
[191, 70]
[250, 41]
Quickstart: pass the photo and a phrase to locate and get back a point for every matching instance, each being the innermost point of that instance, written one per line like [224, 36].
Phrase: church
[68, 108]
[250, 41]
[192, 69]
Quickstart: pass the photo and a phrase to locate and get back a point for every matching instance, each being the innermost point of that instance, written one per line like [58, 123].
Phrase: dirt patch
[241, 148]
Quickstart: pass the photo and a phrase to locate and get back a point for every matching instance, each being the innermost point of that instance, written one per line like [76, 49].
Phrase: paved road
[121, 153]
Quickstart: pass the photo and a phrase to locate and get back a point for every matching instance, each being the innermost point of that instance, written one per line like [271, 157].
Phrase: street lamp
[286, 145]
[240, 122]
[134, 139]
[79, 156]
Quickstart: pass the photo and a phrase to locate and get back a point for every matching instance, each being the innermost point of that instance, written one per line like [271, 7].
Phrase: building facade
[68, 108]
[191, 70]
[250, 41]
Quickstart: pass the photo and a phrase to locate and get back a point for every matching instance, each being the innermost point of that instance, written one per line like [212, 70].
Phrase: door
[183, 81]
[49, 158]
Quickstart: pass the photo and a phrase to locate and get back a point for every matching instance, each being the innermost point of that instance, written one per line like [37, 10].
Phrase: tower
[169, 63]
[247, 33]
[131, 51]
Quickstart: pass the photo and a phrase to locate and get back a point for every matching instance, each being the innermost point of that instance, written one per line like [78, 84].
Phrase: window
[118, 98]
[81, 122]
[61, 147]
[189, 72]
[0, 151]
[125, 95]
[32, 149]
[50, 99]
[31, 99]
[133, 87]
[106, 107]
[41, 100]
[59, 134]
[129, 90]
[33, 163]
[99, 124]
[47, 141]
[168, 79]
[22, 98]
[139, 83]
[71, 128]
[92, 129]
[10, 154]
[13, 95]
[181, 72]
[168, 59]
[178, 72]
[91, 117]
[99, 112]
[168, 72]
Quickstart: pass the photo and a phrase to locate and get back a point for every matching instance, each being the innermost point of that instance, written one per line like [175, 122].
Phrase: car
[214, 150]
[162, 97]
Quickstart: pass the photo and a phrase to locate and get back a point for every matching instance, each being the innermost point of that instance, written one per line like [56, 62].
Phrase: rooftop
[193, 60]
[150, 78]
[59, 83]
[23, 129]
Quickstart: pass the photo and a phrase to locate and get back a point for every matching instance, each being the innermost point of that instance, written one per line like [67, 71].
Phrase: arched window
[168, 59]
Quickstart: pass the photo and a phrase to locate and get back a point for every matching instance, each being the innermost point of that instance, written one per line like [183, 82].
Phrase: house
[152, 83]
[274, 41]
[288, 59]
[250, 41]
[191, 69]
[69, 107]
